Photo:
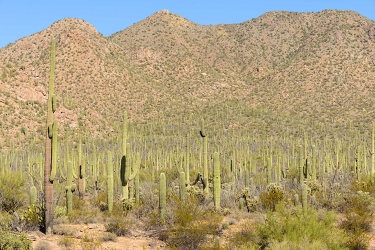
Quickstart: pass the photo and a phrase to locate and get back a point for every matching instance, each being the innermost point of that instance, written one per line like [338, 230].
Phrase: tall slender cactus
[217, 181]
[125, 166]
[109, 182]
[301, 165]
[162, 196]
[51, 139]
[69, 188]
[81, 169]
[187, 160]
[205, 158]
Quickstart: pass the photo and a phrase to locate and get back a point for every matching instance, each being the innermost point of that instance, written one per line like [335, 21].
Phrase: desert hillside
[282, 71]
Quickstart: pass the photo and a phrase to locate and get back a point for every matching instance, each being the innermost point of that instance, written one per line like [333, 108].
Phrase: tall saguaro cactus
[51, 147]
[217, 181]
[187, 160]
[125, 168]
[205, 158]
[69, 188]
[81, 169]
[109, 182]
[301, 165]
[162, 196]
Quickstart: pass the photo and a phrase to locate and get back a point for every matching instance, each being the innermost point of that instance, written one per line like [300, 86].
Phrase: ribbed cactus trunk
[217, 181]
[313, 163]
[296, 200]
[301, 165]
[125, 166]
[95, 172]
[182, 186]
[162, 196]
[205, 158]
[81, 169]
[33, 195]
[49, 169]
[69, 189]
[269, 170]
[110, 182]
[136, 178]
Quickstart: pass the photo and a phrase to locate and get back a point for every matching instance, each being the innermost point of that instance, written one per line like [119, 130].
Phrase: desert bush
[288, 228]
[66, 242]
[11, 241]
[107, 236]
[88, 242]
[32, 217]
[273, 195]
[13, 194]
[291, 228]
[149, 200]
[43, 245]
[119, 226]
[191, 224]
[83, 212]
[245, 238]
[358, 215]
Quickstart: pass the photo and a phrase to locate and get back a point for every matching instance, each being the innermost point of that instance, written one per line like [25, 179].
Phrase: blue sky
[20, 18]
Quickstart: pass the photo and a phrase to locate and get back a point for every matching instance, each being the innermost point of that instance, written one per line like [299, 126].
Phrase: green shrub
[272, 196]
[290, 229]
[10, 241]
[119, 226]
[190, 223]
[358, 216]
[32, 217]
[13, 194]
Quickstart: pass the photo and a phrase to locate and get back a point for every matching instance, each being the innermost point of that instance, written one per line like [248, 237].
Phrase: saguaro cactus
[33, 195]
[110, 182]
[69, 188]
[217, 181]
[81, 169]
[136, 178]
[162, 196]
[187, 160]
[51, 147]
[301, 165]
[182, 186]
[205, 158]
[125, 166]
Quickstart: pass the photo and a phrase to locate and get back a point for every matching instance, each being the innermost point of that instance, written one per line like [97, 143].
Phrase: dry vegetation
[264, 87]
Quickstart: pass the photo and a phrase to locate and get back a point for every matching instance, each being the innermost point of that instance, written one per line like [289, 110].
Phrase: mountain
[281, 72]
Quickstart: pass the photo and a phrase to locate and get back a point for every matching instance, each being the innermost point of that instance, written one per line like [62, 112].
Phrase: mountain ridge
[298, 66]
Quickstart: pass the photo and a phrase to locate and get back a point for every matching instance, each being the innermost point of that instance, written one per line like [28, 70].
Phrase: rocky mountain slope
[279, 72]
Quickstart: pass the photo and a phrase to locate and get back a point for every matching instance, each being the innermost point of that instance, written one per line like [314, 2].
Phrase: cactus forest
[193, 185]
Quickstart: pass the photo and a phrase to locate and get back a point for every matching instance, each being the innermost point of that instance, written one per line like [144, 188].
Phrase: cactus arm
[54, 152]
